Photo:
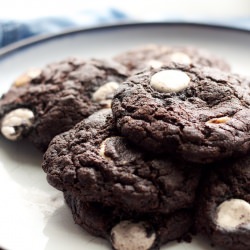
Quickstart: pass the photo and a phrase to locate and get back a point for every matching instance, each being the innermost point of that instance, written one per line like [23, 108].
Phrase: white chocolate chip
[232, 214]
[102, 150]
[154, 64]
[128, 235]
[33, 73]
[105, 91]
[27, 77]
[168, 81]
[180, 57]
[15, 122]
[103, 146]
[219, 120]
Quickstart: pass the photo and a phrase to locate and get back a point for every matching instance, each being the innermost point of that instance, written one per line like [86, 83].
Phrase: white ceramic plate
[33, 215]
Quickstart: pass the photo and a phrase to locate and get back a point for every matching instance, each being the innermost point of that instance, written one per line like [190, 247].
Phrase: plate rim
[35, 40]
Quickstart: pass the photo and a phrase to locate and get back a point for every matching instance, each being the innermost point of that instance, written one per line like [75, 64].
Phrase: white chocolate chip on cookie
[219, 120]
[27, 77]
[168, 81]
[232, 214]
[102, 150]
[105, 142]
[16, 122]
[105, 92]
[155, 64]
[179, 57]
[128, 235]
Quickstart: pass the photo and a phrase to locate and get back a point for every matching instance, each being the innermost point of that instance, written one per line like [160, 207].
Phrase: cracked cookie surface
[98, 165]
[200, 114]
[59, 95]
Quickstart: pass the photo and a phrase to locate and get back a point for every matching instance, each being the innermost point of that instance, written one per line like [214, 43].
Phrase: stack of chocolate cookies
[146, 146]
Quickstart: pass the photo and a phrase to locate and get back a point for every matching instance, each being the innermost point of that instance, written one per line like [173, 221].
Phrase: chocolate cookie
[224, 205]
[98, 165]
[156, 55]
[126, 230]
[200, 114]
[43, 103]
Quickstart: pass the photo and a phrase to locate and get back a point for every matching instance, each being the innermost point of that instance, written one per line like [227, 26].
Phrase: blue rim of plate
[26, 43]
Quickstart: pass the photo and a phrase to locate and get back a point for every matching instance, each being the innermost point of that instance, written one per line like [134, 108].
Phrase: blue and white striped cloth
[26, 18]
